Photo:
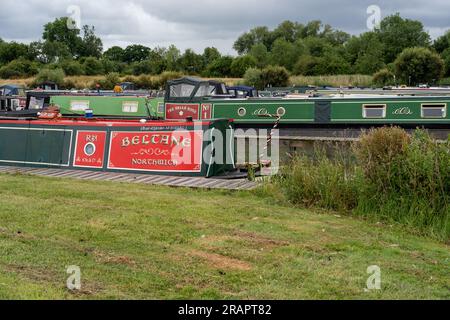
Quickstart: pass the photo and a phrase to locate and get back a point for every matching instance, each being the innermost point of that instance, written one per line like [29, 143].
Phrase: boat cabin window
[374, 111]
[182, 90]
[36, 103]
[437, 110]
[79, 105]
[205, 90]
[130, 106]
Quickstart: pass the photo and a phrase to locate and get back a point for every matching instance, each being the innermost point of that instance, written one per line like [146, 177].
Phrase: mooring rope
[272, 131]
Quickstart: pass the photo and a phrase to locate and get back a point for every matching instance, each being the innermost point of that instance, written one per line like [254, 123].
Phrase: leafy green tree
[55, 51]
[442, 43]
[72, 67]
[384, 77]
[258, 35]
[397, 34]
[19, 68]
[136, 53]
[110, 66]
[446, 57]
[93, 66]
[57, 31]
[91, 45]
[275, 76]
[286, 30]
[191, 62]
[419, 65]
[332, 63]
[252, 77]
[317, 47]
[114, 54]
[54, 75]
[306, 65]
[261, 55]
[12, 51]
[283, 53]
[241, 64]
[365, 52]
[210, 54]
[172, 57]
[220, 67]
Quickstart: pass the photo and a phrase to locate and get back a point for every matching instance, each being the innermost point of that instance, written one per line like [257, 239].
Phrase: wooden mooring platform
[172, 181]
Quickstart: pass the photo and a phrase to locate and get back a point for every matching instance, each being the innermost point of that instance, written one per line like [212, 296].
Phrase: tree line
[398, 50]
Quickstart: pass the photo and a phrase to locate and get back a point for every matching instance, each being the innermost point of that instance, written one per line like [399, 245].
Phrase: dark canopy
[189, 88]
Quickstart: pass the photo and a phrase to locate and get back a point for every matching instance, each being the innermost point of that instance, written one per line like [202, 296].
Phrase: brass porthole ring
[281, 111]
[242, 112]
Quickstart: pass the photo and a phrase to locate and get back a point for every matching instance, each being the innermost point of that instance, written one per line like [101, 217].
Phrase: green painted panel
[256, 111]
[35, 146]
[129, 106]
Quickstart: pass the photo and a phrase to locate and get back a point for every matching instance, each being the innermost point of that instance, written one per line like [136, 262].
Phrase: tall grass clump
[388, 175]
[407, 179]
[319, 181]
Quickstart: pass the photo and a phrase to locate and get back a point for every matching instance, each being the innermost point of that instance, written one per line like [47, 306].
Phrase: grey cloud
[201, 23]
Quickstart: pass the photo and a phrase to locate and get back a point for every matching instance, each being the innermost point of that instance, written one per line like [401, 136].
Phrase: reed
[387, 176]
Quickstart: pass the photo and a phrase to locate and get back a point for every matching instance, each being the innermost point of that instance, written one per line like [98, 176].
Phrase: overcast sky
[200, 23]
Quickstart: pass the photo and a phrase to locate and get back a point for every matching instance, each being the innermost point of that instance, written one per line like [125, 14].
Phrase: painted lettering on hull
[90, 149]
[181, 111]
[165, 151]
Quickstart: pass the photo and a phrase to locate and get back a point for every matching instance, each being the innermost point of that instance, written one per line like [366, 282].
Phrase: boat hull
[159, 147]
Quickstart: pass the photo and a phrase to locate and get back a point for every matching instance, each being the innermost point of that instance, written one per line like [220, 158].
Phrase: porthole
[89, 149]
[281, 111]
[242, 112]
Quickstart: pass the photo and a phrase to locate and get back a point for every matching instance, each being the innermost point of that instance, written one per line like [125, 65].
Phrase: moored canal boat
[157, 147]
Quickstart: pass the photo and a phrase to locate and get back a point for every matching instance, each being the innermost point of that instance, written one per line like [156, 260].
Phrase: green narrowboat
[110, 106]
[190, 97]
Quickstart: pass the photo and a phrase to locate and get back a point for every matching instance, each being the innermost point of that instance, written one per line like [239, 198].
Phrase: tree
[72, 67]
[442, 43]
[136, 53]
[191, 62]
[241, 64]
[220, 67]
[91, 45]
[57, 31]
[261, 55]
[252, 77]
[172, 56]
[54, 75]
[419, 65]
[396, 34]
[18, 68]
[365, 52]
[258, 35]
[446, 57]
[286, 30]
[384, 77]
[210, 54]
[283, 54]
[92, 66]
[332, 63]
[114, 54]
[306, 65]
[275, 76]
[12, 51]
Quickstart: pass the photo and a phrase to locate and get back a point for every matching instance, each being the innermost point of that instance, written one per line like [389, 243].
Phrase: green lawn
[145, 242]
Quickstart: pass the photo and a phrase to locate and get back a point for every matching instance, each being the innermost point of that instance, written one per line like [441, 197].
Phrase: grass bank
[143, 242]
[388, 175]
